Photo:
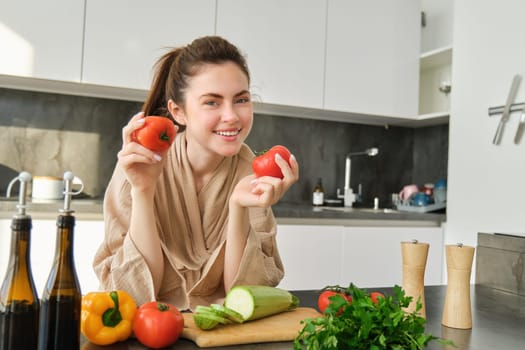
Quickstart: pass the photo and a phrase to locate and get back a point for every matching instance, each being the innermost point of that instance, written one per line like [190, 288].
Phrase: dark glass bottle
[19, 305]
[61, 299]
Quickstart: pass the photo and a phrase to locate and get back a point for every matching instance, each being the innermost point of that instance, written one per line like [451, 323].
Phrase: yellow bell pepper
[107, 316]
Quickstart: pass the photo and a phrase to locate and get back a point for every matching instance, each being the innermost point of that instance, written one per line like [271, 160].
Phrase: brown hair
[175, 67]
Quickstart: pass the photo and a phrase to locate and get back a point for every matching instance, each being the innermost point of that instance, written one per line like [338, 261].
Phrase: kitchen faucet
[349, 196]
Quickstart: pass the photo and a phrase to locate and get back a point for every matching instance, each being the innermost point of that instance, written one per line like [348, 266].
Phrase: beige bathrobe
[192, 230]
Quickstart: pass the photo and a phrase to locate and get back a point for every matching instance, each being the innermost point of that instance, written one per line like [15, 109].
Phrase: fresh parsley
[363, 324]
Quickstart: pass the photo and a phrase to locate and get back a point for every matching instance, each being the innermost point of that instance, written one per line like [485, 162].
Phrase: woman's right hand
[141, 165]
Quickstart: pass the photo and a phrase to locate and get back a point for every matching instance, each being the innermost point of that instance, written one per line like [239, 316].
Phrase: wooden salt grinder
[414, 256]
[457, 311]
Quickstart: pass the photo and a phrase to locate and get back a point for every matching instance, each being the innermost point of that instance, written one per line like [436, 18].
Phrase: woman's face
[218, 111]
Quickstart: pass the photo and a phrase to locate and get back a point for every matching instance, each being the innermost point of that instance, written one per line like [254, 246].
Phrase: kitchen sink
[357, 210]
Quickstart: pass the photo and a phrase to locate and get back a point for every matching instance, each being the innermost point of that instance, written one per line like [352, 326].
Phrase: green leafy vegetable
[363, 324]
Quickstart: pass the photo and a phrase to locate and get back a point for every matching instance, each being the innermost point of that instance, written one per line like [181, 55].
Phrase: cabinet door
[42, 39]
[5, 246]
[124, 38]
[439, 21]
[372, 255]
[87, 238]
[311, 255]
[89, 235]
[284, 45]
[372, 57]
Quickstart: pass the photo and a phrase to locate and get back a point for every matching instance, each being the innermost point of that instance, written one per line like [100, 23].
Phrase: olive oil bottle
[19, 304]
[61, 299]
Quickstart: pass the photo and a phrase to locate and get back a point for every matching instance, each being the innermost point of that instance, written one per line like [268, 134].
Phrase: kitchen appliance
[49, 187]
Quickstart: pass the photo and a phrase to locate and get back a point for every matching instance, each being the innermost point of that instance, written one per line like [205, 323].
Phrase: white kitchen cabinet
[435, 82]
[372, 255]
[123, 38]
[5, 245]
[315, 256]
[372, 57]
[284, 42]
[439, 22]
[436, 58]
[311, 255]
[42, 39]
[88, 236]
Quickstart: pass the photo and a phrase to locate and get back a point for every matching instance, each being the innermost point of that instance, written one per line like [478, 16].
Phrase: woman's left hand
[265, 191]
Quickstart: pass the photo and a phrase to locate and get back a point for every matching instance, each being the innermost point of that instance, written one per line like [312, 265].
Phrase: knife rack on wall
[515, 107]
[506, 111]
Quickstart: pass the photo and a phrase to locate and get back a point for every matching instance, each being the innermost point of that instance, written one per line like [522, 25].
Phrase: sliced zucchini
[254, 302]
[228, 313]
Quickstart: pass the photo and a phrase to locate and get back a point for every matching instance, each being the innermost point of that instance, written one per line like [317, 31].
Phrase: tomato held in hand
[157, 134]
[324, 299]
[157, 324]
[265, 165]
[375, 295]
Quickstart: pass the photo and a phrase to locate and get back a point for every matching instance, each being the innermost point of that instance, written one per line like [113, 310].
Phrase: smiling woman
[184, 225]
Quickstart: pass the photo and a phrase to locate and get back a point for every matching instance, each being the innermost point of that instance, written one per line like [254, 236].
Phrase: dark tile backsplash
[46, 134]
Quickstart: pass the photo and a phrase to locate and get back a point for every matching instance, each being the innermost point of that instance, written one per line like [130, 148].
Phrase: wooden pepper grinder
[414, 255]
[457, 311]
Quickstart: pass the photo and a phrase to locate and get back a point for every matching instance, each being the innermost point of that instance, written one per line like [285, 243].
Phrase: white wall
[486, 182]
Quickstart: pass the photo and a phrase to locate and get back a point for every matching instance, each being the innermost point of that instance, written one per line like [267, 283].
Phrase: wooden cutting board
[281, 327]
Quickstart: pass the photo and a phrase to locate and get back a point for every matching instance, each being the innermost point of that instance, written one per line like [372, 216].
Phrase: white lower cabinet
[87, 239]
[311, 255]
[315, 256]
[372, 255]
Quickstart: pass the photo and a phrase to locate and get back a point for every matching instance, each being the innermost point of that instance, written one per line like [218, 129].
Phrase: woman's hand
[141, 166]
[265, 191]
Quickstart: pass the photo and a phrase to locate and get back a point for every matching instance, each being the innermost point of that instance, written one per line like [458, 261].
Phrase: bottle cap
[68, 191]
[24, 177]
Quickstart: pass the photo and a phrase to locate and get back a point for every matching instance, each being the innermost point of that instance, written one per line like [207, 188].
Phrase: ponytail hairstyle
[176, 67]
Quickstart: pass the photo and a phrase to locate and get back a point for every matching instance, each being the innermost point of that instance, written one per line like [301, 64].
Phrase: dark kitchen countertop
[291, 213]
[498, 322]
[85, 209]
[285, 213]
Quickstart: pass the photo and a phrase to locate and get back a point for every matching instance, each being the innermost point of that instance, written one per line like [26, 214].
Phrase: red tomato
[265, 165]
[324, 299]
[157, 134]
[157, 325]
[375, 295]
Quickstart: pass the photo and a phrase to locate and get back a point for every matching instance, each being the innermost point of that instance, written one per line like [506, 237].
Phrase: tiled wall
[47, 134]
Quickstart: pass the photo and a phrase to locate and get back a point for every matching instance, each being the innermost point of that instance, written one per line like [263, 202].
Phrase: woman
[186, 225]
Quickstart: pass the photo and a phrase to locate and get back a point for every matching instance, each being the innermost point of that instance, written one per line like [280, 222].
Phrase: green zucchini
[206, 318]
[254, 302]
[225, 312]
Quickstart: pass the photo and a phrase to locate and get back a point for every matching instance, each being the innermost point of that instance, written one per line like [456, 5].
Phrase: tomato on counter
[157, 324]
[325, 298]
[374, 296]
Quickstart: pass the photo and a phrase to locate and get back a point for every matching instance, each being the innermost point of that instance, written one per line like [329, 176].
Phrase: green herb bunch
[363, 324]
